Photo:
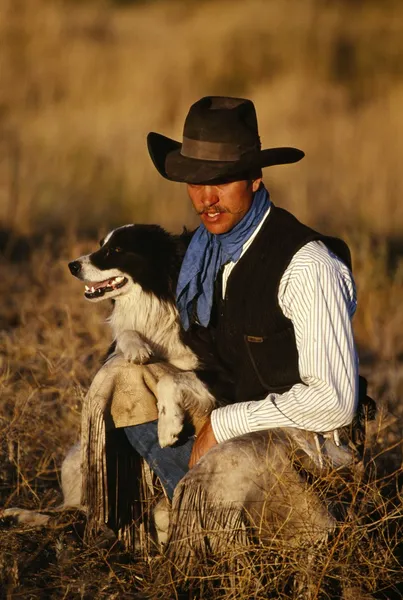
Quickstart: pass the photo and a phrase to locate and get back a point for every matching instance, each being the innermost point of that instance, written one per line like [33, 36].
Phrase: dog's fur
[137, 267]
[144, 320]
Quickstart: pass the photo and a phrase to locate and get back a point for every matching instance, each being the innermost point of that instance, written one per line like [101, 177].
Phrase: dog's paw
[22, 516]
[170, 425]
[139, 356]
[133, 347]
[170, 412]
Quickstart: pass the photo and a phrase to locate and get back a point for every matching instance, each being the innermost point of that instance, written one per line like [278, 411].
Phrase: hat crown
[223, 119]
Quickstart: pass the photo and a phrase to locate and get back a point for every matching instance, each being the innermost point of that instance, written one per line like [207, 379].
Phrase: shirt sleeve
[317, 292]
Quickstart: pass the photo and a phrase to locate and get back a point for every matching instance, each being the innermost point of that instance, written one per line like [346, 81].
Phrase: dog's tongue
[100, 284]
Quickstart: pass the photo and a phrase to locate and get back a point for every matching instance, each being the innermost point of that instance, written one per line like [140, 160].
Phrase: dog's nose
[75, 267]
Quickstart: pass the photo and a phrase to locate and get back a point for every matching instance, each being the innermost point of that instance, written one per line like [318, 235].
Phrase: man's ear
[256, 184]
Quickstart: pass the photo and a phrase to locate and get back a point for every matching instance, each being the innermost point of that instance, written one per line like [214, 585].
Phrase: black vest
[249, 347]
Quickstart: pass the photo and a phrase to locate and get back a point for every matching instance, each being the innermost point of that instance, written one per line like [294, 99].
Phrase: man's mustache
[217, 210]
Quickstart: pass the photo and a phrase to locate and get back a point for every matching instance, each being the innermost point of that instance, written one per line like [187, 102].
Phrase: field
[82, 84]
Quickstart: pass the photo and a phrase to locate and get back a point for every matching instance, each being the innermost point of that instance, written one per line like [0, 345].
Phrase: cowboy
[266, 301]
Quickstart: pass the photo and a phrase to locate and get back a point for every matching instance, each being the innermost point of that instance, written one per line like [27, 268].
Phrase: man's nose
[210, 196]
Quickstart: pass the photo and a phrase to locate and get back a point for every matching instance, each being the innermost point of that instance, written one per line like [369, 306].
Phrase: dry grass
[51, 345]
[84, 82]
[82, 85]
[361, 559]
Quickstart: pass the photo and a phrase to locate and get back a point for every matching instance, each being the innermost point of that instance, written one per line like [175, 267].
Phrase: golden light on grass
[81, 85]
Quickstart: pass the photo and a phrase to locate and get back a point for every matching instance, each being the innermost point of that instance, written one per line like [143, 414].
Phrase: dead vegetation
[51, 346]
[83, 84]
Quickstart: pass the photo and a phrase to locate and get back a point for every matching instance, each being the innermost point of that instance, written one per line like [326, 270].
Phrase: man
[264, 299]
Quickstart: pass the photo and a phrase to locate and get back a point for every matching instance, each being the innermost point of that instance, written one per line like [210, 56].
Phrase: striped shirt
[317, 293]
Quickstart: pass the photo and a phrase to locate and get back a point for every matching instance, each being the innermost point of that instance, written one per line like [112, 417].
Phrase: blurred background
[82, 82]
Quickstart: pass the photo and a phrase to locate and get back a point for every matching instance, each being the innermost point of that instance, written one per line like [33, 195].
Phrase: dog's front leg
[170, 411]
[178, 395]
[133, 347]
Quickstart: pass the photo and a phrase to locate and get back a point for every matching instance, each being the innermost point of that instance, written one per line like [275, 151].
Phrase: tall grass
[81, 85]
[51, 345]
[84, 82]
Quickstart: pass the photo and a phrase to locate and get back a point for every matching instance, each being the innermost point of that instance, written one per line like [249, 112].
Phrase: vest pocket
[274, 360]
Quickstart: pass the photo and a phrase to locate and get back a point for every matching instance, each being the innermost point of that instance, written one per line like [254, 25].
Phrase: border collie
[137, 266]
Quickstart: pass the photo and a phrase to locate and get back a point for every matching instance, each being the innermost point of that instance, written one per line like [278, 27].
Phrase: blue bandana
[206, 254]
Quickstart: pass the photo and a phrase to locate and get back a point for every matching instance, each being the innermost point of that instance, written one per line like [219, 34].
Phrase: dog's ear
[101, 242]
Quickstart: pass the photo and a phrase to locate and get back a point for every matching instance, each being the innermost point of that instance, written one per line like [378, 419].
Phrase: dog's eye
[117, 249]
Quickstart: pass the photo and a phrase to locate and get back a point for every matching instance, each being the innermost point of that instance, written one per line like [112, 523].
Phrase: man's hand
[204, 441]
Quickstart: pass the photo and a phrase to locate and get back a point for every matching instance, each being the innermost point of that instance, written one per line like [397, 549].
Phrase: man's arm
[317, 293]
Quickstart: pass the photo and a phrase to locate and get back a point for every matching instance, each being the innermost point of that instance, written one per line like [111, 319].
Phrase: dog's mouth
[96, 290]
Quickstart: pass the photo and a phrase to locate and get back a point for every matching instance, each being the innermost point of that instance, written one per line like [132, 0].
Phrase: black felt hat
[220, 143]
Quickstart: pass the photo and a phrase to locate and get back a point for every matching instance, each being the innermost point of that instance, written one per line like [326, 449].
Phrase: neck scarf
[206, 254]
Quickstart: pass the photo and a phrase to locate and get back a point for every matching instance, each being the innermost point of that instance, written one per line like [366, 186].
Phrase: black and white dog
[137, 267]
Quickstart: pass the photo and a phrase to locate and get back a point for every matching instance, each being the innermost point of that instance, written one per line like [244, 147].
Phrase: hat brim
[169, 162]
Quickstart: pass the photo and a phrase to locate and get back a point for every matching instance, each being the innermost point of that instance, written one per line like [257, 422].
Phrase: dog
[136, 267]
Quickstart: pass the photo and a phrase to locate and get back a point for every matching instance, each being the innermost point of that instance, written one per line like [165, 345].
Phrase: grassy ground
[83, 82]
[52, 343]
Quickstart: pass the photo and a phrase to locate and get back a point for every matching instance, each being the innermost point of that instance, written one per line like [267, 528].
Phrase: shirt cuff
[230, 421]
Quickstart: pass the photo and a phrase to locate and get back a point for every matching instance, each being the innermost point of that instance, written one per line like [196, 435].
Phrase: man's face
[222, 206]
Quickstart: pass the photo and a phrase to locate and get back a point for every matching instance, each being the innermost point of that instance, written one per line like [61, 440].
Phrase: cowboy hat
[220, 143]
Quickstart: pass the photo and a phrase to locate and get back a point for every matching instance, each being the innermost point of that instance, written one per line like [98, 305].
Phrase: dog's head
[144, 255]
